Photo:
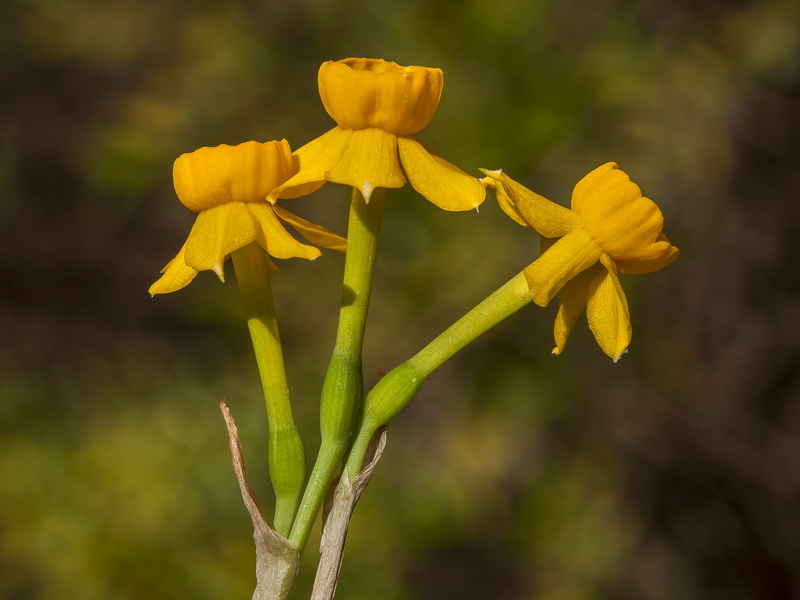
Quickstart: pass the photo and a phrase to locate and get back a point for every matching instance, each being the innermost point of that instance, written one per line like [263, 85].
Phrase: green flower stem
[286, 454]
[396, 389]
[343, 390]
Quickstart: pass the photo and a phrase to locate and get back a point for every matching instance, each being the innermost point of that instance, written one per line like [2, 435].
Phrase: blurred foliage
[515, 474]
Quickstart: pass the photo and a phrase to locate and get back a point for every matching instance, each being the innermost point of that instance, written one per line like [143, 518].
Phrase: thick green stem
[398, 387]
[343, 390]
[286, 454]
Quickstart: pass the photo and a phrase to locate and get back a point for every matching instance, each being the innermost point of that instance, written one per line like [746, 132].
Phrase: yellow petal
[607, 313]
[216, 233]
[569, 256]
[639, 267]
[624, 223]
[247, 172]
[312, 162]
[359, 93]
[571, 304]
[176, 275]
[316, 234]
[369, 161]
[300, 189]
[272, 236]
[494, 180]
[444, 184]
[529, 209]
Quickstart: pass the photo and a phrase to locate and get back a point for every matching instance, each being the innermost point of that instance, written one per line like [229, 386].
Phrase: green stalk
[286, 454]
[396, 389]
[343, 390]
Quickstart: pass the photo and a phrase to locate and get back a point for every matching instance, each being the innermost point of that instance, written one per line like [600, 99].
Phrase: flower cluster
[379, 107]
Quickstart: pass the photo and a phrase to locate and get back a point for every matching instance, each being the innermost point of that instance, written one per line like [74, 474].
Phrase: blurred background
[672, 475]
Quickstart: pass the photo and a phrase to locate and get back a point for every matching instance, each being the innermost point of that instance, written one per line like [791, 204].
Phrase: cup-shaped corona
[359, 93]
[624, 223]
[247, 172]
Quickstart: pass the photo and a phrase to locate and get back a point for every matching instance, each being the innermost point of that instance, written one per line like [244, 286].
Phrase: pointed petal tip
[220, 273]
[491, 175]
[366, 191]
[620, 355]
[154, 290]
[556, 351]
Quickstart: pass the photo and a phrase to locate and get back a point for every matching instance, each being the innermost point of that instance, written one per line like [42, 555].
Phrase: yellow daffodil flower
[378, 107]
[227, 186]
[611, 228]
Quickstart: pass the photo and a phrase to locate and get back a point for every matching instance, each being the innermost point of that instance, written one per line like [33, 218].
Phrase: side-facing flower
[227, 186]
[378, 106]
[611, 228]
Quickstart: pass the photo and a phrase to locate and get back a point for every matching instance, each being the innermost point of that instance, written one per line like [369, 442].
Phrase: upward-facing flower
[378, 106]
[227, 186]
[611, 228]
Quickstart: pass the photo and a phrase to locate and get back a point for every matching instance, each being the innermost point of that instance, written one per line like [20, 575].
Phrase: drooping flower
[611, 228]
[378, 106]
[227, 186]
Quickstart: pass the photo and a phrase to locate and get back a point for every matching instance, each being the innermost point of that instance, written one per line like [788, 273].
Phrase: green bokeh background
[672, 475]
